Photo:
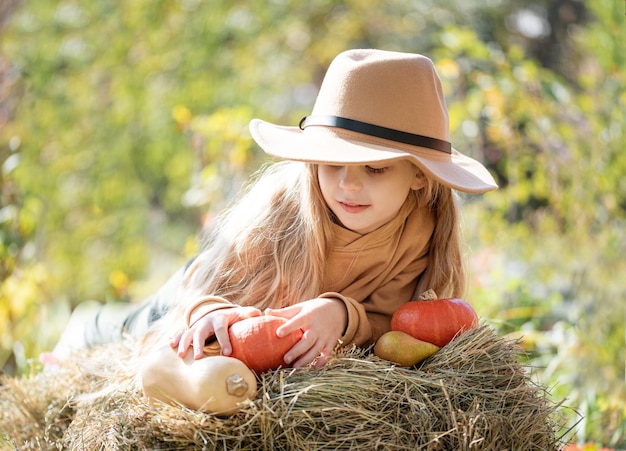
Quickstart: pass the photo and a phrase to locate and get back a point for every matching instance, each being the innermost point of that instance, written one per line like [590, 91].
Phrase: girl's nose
[349, 179]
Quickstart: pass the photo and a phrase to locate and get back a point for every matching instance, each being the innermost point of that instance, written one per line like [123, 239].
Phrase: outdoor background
[123, 124]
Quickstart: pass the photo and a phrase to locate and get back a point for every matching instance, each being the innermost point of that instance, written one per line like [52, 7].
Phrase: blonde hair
[445, 272]
[269, 248]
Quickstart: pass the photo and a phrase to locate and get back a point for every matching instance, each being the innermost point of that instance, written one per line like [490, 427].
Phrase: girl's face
[366, 197]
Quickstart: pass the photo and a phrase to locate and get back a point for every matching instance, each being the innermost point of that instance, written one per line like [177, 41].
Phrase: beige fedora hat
[375, 106]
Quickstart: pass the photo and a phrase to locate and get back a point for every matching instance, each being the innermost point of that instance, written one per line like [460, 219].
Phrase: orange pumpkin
[434, 321]
[255, 343]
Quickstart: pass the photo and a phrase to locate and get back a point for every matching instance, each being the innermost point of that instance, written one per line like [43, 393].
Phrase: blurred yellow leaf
[181, 114]
[119, 279]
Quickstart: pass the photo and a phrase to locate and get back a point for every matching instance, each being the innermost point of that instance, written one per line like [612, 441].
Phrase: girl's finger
[249, 312]
[198, 344]
[293, 323]
[221, 333]
[304, 351]
[184, 343]
[313, 354]
[285, 312]
[322, 360]
[174, 341]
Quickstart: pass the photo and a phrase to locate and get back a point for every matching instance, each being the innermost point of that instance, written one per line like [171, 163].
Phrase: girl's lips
[352, 208]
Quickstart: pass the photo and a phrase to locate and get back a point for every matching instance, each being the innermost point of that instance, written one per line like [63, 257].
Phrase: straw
[472, 395]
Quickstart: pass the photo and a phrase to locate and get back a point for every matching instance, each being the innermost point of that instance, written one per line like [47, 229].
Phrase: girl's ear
[420, 181]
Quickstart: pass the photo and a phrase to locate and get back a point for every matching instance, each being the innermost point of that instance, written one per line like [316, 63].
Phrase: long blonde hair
[269, 248]
[445, 272]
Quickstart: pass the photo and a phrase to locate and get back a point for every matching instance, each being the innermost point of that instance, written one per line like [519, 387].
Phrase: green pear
[401, 348]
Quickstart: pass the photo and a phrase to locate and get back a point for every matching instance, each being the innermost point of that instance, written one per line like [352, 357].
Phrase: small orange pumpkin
[434, 321]
[255, 343]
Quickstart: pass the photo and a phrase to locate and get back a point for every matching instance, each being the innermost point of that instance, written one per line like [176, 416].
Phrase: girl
[359, 217]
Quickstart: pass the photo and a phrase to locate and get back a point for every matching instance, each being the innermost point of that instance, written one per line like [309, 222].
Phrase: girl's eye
[374, 170]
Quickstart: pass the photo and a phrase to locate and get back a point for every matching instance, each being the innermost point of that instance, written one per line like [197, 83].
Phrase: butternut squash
[216, 384]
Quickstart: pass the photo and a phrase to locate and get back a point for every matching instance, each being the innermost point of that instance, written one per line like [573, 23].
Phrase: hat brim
[325, 145]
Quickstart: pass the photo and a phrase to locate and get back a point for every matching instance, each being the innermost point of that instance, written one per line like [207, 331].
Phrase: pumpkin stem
[213, 348]
[428, 295]
[236, 385]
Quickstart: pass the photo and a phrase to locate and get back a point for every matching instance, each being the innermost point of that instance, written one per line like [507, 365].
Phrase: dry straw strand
[472, 395]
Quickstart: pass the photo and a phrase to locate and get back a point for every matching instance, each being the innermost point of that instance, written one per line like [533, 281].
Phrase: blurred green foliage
[124, 124]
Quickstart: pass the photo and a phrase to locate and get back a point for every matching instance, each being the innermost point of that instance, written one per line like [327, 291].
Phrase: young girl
[358, 217]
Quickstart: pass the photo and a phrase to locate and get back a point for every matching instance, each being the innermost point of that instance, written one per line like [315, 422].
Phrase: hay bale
[473, 394]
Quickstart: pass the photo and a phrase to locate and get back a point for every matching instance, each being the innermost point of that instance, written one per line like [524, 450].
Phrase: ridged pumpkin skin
[255, 343]
[435, 321]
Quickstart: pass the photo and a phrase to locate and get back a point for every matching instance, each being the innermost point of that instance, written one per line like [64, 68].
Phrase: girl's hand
[214, 323]
[323, 322]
